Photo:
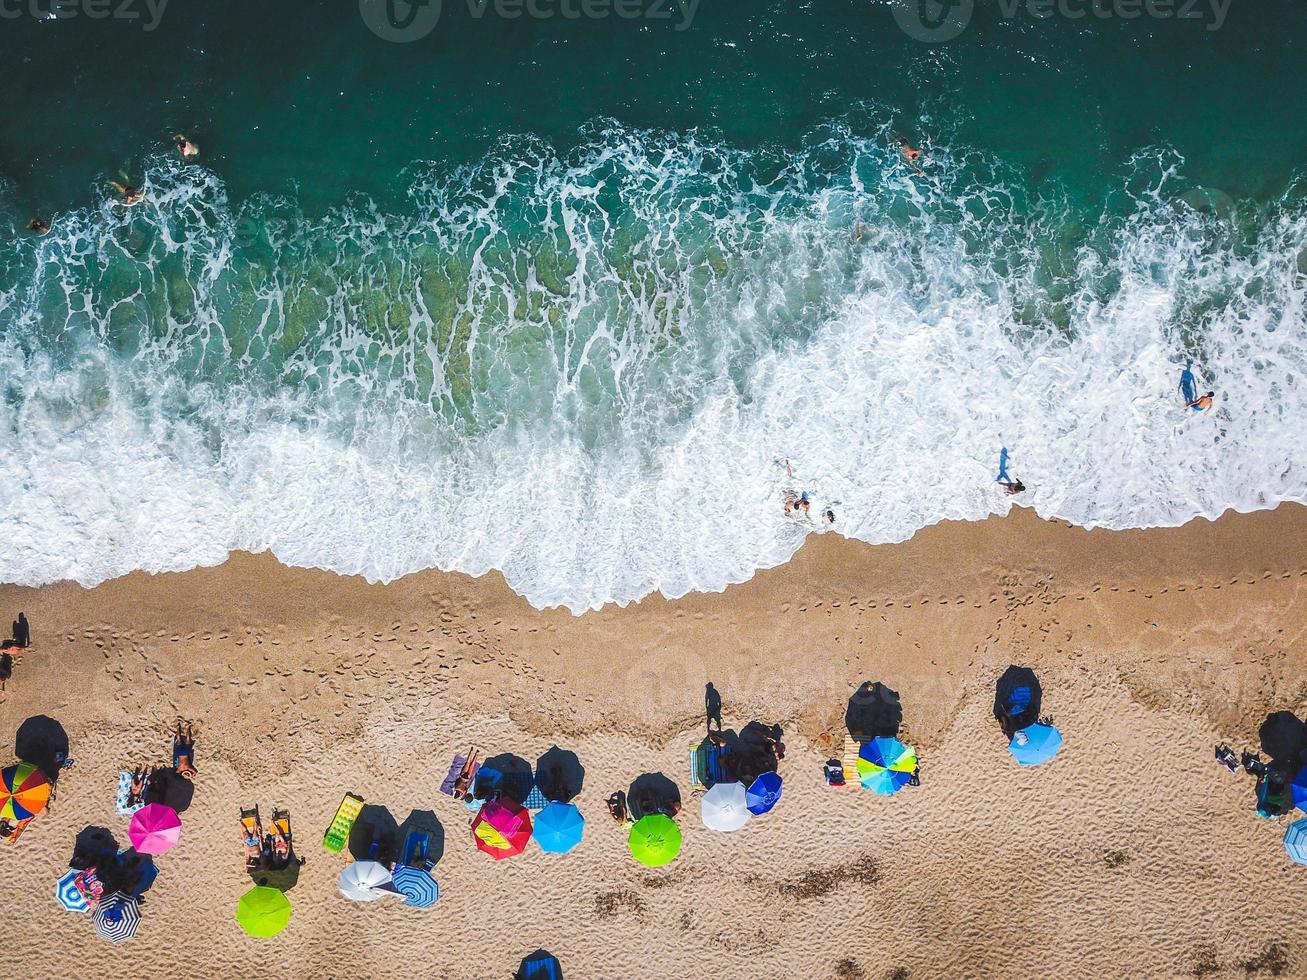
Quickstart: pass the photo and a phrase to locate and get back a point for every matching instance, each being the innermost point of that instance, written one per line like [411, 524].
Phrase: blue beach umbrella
[1299, 789]
[117, 917]
[417, 886]
[69, 895]
[764, 793]
[1035, 744]
[886, 765]
[1295, 841]
[558, 827]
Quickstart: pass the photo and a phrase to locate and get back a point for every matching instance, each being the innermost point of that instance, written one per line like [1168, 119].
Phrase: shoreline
[1151, 645]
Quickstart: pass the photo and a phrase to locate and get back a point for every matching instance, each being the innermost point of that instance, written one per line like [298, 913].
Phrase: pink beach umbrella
[155, 828]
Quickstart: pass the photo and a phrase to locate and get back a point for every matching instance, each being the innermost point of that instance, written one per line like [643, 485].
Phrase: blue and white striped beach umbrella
[117, 917]
[69, 895]
[417, 886]
[1295, 841]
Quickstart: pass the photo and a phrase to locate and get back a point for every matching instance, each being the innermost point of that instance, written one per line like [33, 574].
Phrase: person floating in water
[39, 226]
[910, 153]
[129, 194]
[185, 147]
[1005, 481]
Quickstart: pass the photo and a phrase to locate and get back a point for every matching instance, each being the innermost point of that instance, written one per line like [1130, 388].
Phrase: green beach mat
[342, 823]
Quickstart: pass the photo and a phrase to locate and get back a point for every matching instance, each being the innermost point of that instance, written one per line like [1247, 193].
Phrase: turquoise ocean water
[553, 296]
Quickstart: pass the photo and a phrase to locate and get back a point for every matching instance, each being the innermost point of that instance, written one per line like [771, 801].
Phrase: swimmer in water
[859, 229]
[39, 226]
[130, 195]
[185, 147]
[910, 153]
[1203, 404]
[829, 517]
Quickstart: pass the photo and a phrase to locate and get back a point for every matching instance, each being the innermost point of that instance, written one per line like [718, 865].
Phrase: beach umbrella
[417, 886]
[654, 840]
[117, 917]
[502, 828]
[24, 792]
[1035, 744]
[886, 765]
[365, 881]
[69, 895]
[263, 912]
[154, 829]
[764, 793]
[725, 807]
[1299, 789]
[1295, 841]
[558, 828]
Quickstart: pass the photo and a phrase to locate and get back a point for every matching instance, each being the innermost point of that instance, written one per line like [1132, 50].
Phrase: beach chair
[282, 845]
[851, 749]
[337, 835]
[252, 839]
[416, 850]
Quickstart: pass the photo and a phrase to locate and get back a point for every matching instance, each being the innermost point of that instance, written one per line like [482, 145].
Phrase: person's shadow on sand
[653, 792]
[874, 711]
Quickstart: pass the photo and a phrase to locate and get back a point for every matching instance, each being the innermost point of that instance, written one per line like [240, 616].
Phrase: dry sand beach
[1131, 854]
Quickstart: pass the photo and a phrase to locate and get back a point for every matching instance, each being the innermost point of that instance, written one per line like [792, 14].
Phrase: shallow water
[554, 297]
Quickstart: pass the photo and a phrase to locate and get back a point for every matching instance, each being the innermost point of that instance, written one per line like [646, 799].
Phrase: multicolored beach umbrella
[502, 828]
[68, 894]
[725, 807]
[1295, 841]
[263, 912]
[417, 886]
[764, 793]
[117, 917]
[886, 765]
[24, 792]
[1035, 744]
[154, 829]
[558, 827]
[654, 840]
[1299, 789]
[365, 881]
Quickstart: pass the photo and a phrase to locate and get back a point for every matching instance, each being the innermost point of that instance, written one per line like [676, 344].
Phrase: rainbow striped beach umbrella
[24, 792]
[502, 828]
[886, 765]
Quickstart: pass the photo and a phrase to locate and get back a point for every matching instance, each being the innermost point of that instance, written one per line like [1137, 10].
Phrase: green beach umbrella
[655, 840]
[263, 911]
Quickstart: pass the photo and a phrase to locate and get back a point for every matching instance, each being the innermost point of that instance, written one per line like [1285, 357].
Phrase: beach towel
[455, 767]
[124, 790]
[535, 800]
[706, 765]
[851, 749]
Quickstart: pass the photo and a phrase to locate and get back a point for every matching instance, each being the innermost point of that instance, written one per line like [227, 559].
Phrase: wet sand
[1132, 853]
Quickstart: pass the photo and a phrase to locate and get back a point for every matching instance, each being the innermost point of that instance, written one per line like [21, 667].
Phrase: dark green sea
[553, 293]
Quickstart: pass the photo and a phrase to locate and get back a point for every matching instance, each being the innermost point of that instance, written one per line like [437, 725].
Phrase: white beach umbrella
[365, 881]
[726, 807]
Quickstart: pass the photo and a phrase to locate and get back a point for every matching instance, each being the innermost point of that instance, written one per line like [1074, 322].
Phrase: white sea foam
[582, 371]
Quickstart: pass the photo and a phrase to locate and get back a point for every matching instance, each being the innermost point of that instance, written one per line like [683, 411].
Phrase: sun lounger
[252, 839]
[707, 765]
[124, 792]
[281, 838]
[851, 749]
[337, 835]
[417, 847]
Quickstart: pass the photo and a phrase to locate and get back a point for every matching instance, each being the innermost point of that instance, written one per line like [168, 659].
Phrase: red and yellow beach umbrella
[502, 829]
[24, 791]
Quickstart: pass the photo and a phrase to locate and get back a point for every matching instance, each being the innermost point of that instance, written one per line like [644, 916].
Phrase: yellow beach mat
[851, 749]
[342, 823]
